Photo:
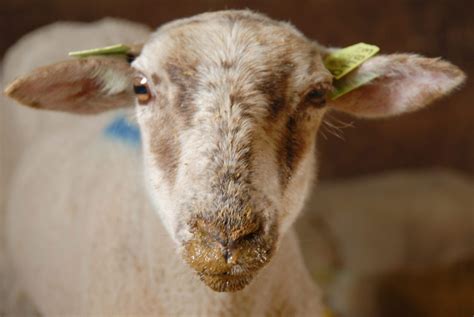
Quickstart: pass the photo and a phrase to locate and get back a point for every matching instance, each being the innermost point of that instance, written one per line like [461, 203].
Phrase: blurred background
[441, 136]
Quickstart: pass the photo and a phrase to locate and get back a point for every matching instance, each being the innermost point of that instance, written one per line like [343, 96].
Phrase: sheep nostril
[227, 255]
[248, 234]
[231, 256]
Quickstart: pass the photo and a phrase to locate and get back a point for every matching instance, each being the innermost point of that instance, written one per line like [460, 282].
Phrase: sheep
[395, 223]
[227, 106]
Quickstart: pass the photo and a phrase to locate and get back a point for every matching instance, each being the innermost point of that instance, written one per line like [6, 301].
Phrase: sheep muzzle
[227, 257]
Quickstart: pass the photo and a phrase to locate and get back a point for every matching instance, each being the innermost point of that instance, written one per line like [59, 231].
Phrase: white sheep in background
[228, 105]
[402, 220]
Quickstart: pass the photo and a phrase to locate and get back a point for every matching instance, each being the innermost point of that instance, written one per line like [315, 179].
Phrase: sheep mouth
[226, 282]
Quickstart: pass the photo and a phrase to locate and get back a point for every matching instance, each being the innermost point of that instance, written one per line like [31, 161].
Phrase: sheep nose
[225, 247]
[228, 237]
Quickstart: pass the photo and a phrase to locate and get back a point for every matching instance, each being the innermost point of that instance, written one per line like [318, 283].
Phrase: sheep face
[229, 104]
[229, 113]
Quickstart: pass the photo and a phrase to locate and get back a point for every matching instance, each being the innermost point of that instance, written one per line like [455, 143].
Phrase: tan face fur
[229, 135]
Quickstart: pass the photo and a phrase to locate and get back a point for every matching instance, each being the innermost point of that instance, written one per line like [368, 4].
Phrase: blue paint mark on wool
[123, 130]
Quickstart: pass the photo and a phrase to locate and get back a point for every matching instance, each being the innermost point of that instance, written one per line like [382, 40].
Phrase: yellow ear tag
[118, 49]
[349, 83]
[343, 61]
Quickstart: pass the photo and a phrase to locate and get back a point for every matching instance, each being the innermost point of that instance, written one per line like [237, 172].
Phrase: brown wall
[440, 136]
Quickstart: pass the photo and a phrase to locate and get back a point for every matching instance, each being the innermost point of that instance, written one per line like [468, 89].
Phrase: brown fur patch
[227, 64]
[298, 136]
[165, 148]
[275, 87]
[156, 79]
[182, 75]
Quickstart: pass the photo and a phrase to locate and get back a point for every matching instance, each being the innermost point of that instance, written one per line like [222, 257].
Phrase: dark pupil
[140, 90]
[316, 94]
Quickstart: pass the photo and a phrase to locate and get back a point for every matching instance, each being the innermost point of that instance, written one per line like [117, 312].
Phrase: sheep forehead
[249, 43]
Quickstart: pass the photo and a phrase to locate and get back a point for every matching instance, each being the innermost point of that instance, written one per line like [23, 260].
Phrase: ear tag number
[118, 49]
[341, 62]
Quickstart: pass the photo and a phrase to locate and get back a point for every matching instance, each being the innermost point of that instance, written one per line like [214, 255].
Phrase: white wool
[114, 82]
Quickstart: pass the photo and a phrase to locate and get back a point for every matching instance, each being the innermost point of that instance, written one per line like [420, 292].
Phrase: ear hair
[406, 83]
[85, 85]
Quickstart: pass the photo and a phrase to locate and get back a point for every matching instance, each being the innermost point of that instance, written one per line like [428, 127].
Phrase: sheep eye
[317, 97]
[141, 89]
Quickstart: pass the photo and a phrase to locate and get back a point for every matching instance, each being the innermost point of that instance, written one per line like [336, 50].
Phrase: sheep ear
[84, 85]
[405, 83]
